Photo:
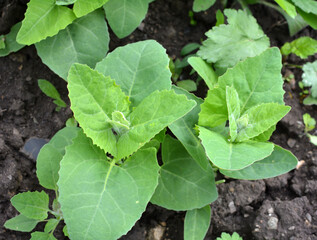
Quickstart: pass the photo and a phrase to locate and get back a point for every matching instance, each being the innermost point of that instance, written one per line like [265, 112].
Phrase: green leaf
[214, 109]
[42, 236]
[21, 223]
[2, 42]
[188, 85]
[313, 139]
[94, 98]
[202, 5]
[183, 129]
[70, 45]
[309, 122]
[139, 68]
[183, 184]
[43, 19]
[148, 119]
[226, 236]
[51, 225]
[65, 2]
[99, 199]
[233, 106]
[49, 90]
[232, 156]
[204, 70]
[65, 231]
[10, 42]
[310, 101]
[257, 80]
[83, 7]
[259, 119]
[288, 7]
[265, 136]
[309, 77]
[302, 47]
[294, 24]
[310, 18]
[228, 44]
[188, 48]
[50, 155]
[124, 16]
[279, 162]
[309, 6]
[196, 223]
[220, 18]
[32, 205]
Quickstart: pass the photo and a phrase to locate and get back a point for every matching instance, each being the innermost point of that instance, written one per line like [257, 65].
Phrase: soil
[284, 207]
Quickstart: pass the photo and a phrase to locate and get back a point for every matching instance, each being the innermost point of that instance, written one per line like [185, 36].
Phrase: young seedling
[310, 124]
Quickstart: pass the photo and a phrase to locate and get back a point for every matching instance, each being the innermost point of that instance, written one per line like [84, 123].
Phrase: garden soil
[284, 207]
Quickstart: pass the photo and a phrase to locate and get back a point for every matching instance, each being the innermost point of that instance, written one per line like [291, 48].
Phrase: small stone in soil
[291, 142]
[232, 207]
[272, 223]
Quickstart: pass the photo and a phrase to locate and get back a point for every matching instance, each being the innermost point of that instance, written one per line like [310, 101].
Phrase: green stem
[292, 65]
[220, 181]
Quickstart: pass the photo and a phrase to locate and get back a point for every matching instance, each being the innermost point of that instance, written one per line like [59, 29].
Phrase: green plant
[226, 236]
[310, 124]
[105, 173]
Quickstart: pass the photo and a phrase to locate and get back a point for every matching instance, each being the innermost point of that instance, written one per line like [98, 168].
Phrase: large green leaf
[309, 77]
[279, 162]
[183, 184]
[32, 205]
[139, 68]
[232, 156]
[94, 98]
[83, 7]
[10, 42]
[70, 45]
[48, 160]
[259, 119]
[99, 199]
[124, 16]
[43, 19]
[227, 44]
[204, 70]
[196, 223]
[302, 47]
[309, 6]
[257, 80]
[183, 129]
[21, 223]
[202, 5]
[155, 112]
[310, 18]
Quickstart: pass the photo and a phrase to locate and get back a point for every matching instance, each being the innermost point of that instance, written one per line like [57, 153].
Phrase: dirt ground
[284, 207]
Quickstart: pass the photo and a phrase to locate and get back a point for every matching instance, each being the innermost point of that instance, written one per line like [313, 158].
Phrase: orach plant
[106, 172]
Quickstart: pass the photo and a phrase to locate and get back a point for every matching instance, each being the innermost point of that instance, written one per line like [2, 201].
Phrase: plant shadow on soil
[284, 207]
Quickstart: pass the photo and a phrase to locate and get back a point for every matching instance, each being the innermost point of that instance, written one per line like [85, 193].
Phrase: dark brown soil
[284, 207]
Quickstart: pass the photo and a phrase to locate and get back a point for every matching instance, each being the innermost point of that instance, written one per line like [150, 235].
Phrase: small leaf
[192, 186]
[48, 160]
[99, 199]
[65, 231]
[228, 44]
[309, 122]
[125, 16]
[313, 139]
[70, 45]
[232, 156]
[32, 205]
[21, 223]
[43, 19]
[42, 236]
[138, 68]
[202, 5]
[309, 77]
[302, 47]
[309, 6]
[260, 119]
[10, 42]
[184, 130]
[204, 70]
[148, 119]
[310, 101]
[51, 225]
[196, 223]
[226, 236]
[220, 18]
[49, 90]
[188, 85]
[233, 106]
[288, 7]
[279, 162]
[188, 48]
[83, 7]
